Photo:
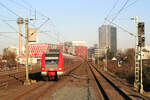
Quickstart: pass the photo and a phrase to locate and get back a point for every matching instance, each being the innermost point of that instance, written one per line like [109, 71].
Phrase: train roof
[57, 51]
[69, 55]
[51, 53]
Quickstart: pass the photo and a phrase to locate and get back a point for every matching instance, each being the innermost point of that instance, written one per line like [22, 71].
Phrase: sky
[73, 20]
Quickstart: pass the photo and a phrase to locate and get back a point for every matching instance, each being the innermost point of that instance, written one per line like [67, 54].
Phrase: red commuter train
[56, 63]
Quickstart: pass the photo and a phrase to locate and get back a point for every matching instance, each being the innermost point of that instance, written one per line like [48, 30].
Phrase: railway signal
[141, 43]
[141, 38]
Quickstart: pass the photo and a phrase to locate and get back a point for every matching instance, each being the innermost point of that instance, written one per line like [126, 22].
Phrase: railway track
[31, 94]
[107, 88]
[41, 89]
[12, 79]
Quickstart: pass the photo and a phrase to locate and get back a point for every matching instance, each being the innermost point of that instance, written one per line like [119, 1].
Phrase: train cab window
[51, 61]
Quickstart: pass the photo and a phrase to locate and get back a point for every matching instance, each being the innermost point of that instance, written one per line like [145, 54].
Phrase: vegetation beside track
[124, 67]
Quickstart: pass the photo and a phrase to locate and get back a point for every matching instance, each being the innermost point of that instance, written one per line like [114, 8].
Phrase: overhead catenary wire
[21, 5]
[13, 20]
[25, 2]
[4, 17]
[1, 4]
[27, 6]
[131, 4]
[49, 36]
[48, 19]
[122, 8]
[30, 7]
[11, 26]
[7, 32]
[115, 4]
[55, 31]
[12, 39]
[132, 34]
[8, 37]
[125, 6]
[18, 4]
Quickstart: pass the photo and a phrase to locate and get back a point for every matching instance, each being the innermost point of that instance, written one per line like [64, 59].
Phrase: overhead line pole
[27, 81]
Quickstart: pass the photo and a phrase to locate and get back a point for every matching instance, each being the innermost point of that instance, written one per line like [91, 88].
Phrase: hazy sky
[73, 19]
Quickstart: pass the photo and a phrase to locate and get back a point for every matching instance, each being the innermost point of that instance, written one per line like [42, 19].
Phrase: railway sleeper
[4, 85]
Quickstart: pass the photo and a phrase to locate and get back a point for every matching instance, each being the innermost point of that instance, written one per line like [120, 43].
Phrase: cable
[122, 8]
[121, 28]
[13, 1]
[4, 16]
[10, 38]
[131, 4]
[111, 10]
[32, 8]
[49, 36]
[11, 26]
[47, 18]
[8, 9]
[127, 6]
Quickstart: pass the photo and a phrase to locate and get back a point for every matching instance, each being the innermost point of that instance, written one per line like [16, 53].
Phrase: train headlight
[43, 68]
[60, 68]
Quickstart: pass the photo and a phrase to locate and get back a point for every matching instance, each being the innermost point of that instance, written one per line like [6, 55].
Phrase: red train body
[55, 64]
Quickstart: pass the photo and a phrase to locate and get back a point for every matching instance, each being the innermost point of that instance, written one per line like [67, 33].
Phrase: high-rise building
[108, 37]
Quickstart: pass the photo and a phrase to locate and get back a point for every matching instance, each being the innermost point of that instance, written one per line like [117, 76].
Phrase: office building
[108, 37]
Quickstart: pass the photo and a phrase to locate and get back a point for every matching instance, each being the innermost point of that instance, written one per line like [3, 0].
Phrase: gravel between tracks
[77, 86]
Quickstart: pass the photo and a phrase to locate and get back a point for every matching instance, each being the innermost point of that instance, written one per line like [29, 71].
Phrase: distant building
[13, 49]
[36, 50]
[99, 52]
[76, 43]
[91, 52]
[146, 52]
[108, 37]
[95, 45]
[79, 48]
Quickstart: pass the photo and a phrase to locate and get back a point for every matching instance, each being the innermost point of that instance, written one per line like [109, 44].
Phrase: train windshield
[51, 60]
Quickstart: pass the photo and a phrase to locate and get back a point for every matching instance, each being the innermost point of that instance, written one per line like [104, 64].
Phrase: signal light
[143, 41]
[141, 28]
[139, 43]
[141, 38]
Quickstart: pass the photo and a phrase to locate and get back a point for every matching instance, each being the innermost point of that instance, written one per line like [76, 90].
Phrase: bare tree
[10, 57]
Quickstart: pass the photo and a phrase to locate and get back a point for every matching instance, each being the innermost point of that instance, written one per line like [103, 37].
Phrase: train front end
[50, 66]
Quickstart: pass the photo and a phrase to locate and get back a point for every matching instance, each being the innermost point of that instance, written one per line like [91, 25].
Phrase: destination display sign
[51, 57]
